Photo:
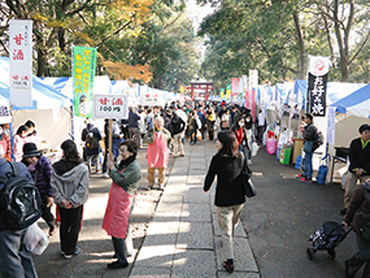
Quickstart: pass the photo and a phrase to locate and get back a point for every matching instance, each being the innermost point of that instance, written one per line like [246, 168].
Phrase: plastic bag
[255, 148]
[36, 240]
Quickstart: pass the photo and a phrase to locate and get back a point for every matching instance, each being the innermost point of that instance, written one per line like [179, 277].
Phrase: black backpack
[91, 142]
[20, 201]
[318, 140]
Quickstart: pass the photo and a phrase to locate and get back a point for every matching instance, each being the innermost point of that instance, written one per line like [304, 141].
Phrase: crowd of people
[164, 130]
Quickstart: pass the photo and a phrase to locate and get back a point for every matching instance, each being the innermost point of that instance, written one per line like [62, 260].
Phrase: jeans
[120, 249]
[308, 165]
[69, 228]
[193, 132]
[228, 219]
[178, 148]
[15, 260]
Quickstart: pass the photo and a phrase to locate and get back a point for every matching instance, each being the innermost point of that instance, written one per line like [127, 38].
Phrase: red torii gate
[207, 86]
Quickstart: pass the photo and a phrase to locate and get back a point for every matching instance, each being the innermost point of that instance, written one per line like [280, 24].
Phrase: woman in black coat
[229, 200]
[358, 216]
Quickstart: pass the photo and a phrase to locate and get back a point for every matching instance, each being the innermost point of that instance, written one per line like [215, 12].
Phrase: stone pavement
[175, 232]
[183, 238]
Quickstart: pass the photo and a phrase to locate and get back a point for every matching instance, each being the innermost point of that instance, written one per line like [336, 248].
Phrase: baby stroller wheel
[332, 253]
[310, 254]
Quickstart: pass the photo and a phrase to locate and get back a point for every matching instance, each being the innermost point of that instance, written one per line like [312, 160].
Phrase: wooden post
[110, 136]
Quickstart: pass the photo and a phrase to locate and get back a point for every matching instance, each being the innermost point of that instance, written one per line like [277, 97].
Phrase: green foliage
[263, 35]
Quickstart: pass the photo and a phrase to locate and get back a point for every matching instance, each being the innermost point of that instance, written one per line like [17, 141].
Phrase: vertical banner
[234, 87]
[83, 75]
[20, 44]
[222, 93]
[253, 84]
[318, 69]
[228, 91]
[331, 126]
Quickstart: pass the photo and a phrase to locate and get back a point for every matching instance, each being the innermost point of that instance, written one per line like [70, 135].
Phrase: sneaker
[116, 265]
[229, 267]
[78, 251]
[161, 186]
[106, 175]
[149, 187]
[249, 162]
[300, 176]
[97, 172]
[182, 155]
[304, 179]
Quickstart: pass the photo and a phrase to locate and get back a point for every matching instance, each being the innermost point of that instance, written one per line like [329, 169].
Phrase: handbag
[246, 174]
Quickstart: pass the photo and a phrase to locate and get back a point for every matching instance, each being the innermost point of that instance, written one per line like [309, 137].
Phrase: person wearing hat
[359, 168]
[40, 168]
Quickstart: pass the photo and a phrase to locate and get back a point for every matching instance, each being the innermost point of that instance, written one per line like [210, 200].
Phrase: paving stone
[243, 256]
[194, 263]
[150, 272]
[196, 195]
[155, 256]
[195, 235]
[196, 213]
[239, 231]
[237, 274]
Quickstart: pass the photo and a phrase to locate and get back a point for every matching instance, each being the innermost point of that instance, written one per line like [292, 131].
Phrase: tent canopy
[355, 104]
[43, 96]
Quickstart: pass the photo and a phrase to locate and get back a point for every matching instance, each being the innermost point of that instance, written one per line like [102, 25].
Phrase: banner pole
[110, 137]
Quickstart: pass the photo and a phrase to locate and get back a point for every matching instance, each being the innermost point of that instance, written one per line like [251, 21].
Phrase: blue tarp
[356, 104]
[43, 96]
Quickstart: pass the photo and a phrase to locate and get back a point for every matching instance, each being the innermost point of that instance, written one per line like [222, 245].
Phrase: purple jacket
[43, 169]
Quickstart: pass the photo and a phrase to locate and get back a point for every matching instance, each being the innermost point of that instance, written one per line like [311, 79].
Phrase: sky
[196, 13]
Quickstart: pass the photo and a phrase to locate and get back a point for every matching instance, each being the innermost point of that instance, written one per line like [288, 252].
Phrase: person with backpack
[91, 136]
[70, 184]
[16, 260]
[309, 134]
[177, 126]
[40, 169]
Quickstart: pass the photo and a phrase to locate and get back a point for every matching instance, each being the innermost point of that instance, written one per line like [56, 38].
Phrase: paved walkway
[183, 239]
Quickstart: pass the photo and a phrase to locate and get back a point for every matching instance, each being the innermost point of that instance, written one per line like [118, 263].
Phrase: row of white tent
[52, 101]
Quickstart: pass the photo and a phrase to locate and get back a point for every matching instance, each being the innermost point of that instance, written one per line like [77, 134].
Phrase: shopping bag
[36, 239]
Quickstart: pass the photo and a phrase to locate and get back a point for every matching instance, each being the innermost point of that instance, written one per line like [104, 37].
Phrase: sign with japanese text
[252, 88]
[318, 69]
[110, 106]
[316, 95]
[228, 91]
[150, 97]
[222, 93]
[234, 86]
[20, 48]
[83, 75]
[5, 116]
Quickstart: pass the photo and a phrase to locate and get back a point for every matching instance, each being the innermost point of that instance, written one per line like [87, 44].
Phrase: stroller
[329, 236]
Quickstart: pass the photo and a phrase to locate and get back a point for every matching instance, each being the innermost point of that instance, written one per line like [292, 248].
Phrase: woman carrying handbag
[227, 165]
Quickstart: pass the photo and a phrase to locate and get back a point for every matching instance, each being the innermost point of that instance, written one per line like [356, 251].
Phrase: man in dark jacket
[359, 158]
[91, 136]
[309, 134]
[133, 126]
[16, 260]
[177, 126]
